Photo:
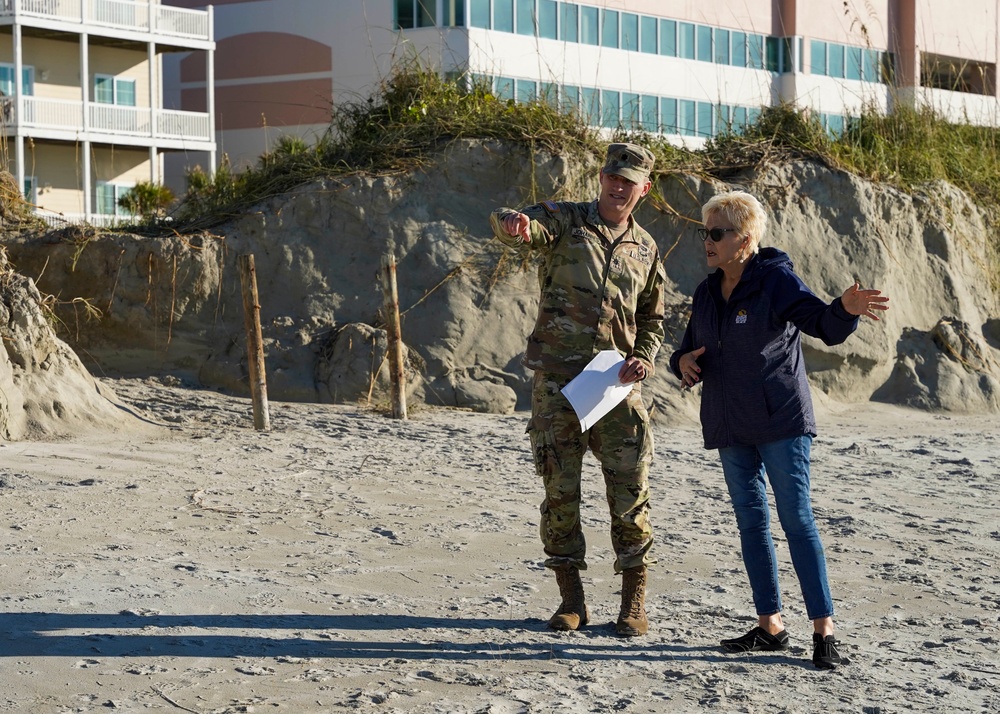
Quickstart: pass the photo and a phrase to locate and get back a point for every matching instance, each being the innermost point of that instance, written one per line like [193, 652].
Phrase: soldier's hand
[632, 371]
[516, 224]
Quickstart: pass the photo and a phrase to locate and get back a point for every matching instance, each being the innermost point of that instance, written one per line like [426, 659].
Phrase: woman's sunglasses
[716, 234]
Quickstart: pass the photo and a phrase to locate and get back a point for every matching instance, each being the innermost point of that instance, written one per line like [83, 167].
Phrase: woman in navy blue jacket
[743, 344]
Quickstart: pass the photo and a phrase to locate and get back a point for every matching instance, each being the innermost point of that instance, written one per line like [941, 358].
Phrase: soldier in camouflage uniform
[602, 289]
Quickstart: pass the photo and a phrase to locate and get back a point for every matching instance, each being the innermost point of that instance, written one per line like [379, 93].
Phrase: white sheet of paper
[596, 390]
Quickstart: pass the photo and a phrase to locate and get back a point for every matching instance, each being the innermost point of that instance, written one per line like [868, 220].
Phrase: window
[686, 118]
[548, 14]
[630, 32]
[647, 34]
[609, 28]
[610, 108]
[706, 117]
[755, 51]
[631, 111]
[526, 90]
[31, 189]
[454, 13]
[571, 98]
[112, 90]
[589, 25]
[569, 28]
[738, 55]
[649, 113]
[739, 118]
[721, 46]
[526, 17]
[415, 13]
[549, 93]
[668, 38]
[106, 198]
[704, 43]
[869, 65]
[668, 116]
[505, 88]
[835, 60]
[7, 80]
[835, 125]
[479, 13]
[591, 105]
[854, 63]
[773, 49]
[685, 40]
[503, 15]
[817, 57]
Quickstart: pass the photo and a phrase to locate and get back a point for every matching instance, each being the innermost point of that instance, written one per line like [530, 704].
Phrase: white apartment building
[684, 68]
[81, 105]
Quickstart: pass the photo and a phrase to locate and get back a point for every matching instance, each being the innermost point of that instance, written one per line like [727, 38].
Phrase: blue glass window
[526, 17]
[649, 113]
[739, 117]
[704, 43]
[505, 88]
[668, 116]
[835, 60]
[774, 54]
[503, 15]
[571, 99]
[454, 13]
[738, 40]
[549, 93]
[854, 61]
[755, 51]
[817, 57]
[526, 90]
[610, 108]
[548, 12]
[591, 107]
[685, 40]
[590, 25]
[569, 27]
[668, 38]
[721, 46]
[687, 117]
[479, 13]
[706, 119]
[609, 28]
[630, 32]
[869, 69]
[835, 125]
[631, 111]
[405, 16]
[647, 34]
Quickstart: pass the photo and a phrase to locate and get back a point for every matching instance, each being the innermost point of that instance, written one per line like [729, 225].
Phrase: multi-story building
[81, 106]
[686, 69]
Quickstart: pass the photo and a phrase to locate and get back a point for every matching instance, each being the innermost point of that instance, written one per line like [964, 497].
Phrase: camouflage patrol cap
[629, 161]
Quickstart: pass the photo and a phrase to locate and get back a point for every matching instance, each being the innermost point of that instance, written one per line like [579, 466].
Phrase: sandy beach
[346, 561]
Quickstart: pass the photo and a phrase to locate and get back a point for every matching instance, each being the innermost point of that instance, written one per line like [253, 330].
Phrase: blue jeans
[786, 464]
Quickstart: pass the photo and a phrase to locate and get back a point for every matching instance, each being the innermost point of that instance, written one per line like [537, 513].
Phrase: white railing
[119, 14]
[67, 115]
[134, 121]
[183, 125]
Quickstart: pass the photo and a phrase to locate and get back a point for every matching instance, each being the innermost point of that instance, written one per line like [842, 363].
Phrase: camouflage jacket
[596, 294]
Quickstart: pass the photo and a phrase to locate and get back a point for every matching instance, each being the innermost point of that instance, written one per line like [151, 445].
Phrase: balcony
[129, 15]
[107, 122]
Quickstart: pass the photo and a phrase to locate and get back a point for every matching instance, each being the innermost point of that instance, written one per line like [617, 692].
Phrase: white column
[154, 112]
[85, 95]
[18, 107]
[210, 89]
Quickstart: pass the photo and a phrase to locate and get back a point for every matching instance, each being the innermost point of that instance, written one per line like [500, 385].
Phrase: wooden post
[255, 344]
[391, 303]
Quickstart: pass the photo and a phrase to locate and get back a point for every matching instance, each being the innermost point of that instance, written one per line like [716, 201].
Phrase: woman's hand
[862, 302]
[690, 371]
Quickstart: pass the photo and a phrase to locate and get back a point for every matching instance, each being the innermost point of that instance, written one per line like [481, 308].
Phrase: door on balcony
[115, 92]
[8, 89]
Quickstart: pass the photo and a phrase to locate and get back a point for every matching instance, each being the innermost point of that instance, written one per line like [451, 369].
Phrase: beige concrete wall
[969, 34]
[126, 64]
[58, 170]
[862, 24]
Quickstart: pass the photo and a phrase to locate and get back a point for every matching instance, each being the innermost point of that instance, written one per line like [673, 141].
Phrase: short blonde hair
[743, 211]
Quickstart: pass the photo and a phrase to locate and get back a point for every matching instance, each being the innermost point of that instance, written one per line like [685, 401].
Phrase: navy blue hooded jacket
[754, 386]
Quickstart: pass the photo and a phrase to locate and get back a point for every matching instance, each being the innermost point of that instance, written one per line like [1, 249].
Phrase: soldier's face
[619, 194]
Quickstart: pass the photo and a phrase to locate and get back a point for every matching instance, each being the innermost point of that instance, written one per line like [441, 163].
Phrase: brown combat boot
[572, 613]
[632, 618]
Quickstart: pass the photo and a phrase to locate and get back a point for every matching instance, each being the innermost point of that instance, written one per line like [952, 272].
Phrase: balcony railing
[67, 115]
[135, 15]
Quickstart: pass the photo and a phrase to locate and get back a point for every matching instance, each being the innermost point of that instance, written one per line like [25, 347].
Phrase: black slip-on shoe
[757, 640]
[825, 653]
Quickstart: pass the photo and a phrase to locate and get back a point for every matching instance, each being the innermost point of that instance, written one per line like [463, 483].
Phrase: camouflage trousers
[622, 442]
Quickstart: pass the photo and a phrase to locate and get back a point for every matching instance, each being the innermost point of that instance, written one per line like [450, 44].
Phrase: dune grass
[415, 111]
